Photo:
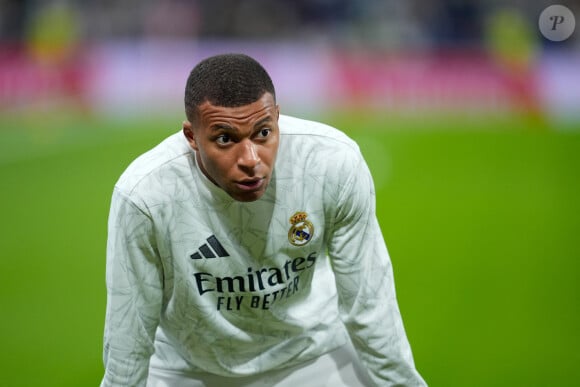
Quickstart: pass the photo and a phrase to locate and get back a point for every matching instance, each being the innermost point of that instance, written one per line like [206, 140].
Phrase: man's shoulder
[146, 166]
[311, 149]
[307, 131]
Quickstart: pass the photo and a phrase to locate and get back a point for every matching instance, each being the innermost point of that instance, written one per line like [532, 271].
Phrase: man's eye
[223, 139]
[264, 132]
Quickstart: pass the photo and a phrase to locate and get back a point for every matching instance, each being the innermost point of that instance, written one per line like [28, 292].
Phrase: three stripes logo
[210, 252]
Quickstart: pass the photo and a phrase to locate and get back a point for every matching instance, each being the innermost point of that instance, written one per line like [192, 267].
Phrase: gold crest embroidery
[301, 231]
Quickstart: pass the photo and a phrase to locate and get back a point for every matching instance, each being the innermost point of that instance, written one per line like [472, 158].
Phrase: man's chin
[248, 195]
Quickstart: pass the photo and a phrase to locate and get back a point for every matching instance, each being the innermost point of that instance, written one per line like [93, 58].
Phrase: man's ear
[189, 135]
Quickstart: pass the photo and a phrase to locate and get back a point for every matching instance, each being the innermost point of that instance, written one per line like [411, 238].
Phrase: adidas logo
[207, 251]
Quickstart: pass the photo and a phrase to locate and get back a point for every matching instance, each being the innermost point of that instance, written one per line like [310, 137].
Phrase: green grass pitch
[481, 218]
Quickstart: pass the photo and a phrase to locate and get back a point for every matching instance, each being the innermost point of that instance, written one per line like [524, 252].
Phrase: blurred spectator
[52, 32]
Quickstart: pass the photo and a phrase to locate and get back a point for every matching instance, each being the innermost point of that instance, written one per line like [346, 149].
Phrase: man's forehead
[263, 108]
[264, 99]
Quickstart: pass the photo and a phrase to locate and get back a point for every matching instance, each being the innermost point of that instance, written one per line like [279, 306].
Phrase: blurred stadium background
[468, 117]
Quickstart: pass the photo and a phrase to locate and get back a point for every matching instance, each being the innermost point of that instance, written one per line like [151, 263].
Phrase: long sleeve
[134, 294]
[364, 277]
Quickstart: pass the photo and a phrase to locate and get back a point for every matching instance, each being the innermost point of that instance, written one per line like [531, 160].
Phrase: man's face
[236, 147]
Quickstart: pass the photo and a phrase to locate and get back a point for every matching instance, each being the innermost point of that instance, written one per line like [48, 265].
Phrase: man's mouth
[250, 184]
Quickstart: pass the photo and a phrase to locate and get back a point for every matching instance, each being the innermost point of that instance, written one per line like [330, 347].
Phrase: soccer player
[244, 250]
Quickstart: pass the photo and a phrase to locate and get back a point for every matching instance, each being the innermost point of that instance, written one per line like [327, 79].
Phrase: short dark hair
[228, 80]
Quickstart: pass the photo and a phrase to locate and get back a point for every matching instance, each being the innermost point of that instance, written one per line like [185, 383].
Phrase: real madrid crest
[301, 231]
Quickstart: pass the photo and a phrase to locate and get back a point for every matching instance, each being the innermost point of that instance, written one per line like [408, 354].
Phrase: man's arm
[134, 294]
[364, 278]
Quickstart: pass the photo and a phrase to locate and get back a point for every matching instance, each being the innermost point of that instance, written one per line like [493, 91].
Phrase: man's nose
[248, 158]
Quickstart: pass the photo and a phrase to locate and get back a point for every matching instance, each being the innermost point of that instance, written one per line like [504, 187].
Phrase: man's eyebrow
[263, 121]
[221, 126]
[218, 127]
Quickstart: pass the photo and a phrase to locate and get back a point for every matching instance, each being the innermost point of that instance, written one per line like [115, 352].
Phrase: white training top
[214, 285]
